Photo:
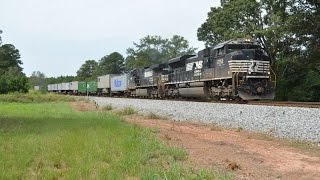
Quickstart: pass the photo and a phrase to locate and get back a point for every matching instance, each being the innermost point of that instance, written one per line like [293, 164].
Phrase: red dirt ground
[249, 156]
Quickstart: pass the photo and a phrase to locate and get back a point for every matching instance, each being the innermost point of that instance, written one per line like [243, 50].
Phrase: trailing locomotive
[237, 69]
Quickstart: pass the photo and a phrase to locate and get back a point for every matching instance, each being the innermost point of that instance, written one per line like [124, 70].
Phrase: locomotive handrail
[236, 78]
[275, 78]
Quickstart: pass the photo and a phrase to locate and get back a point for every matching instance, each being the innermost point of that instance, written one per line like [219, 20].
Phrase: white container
[74, 85]
[65, 86]
[55, 87]
[119, 83]
[104, 81]
[60, 87]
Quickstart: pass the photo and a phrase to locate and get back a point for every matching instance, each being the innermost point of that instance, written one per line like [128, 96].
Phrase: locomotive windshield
[247, 52]
[237, 47]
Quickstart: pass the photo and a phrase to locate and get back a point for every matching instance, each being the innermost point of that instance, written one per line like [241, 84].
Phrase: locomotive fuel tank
[193, 92]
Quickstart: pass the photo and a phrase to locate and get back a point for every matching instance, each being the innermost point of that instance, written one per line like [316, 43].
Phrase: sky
[57, 37]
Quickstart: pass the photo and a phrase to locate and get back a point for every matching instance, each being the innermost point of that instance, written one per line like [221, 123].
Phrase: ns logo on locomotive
[237, 69]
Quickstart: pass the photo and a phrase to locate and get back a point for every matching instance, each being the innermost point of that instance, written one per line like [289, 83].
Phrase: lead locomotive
[233, 70]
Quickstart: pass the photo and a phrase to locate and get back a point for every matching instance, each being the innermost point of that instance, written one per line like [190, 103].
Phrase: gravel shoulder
[214, 140]
[250, 156]
[297, 123]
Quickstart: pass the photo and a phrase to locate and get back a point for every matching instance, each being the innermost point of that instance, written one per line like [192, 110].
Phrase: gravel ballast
[295, 123]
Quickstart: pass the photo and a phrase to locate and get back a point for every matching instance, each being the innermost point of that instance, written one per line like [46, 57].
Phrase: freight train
[237, 69]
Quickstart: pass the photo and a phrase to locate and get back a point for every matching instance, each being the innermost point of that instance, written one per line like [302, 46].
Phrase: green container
[92, 86]
[82, 87]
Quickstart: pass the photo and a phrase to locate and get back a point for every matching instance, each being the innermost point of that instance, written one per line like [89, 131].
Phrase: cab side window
[220, 52]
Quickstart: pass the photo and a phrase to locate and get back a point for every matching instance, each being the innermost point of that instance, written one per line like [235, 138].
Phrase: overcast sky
[56, 37]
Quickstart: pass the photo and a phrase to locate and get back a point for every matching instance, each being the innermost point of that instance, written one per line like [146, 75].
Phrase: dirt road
[250, 156]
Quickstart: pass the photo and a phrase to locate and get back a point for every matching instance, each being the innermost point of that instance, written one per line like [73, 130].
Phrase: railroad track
[287, 103]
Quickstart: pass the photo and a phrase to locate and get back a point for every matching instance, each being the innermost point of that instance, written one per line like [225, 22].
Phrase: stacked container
[92, 86]
[119, 83]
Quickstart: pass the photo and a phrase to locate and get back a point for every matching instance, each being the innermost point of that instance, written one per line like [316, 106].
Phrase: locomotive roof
[157, 66]
[237, 41]
[181, 58]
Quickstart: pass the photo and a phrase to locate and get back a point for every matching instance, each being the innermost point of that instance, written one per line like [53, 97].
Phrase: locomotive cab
[251, 71]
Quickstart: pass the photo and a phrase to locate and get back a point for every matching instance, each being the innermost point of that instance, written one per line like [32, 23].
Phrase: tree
[263, 20]
[9, 57]
[11, 76]
[111, 64]
[37, 78]
[285, 29]
[87, 70]
[155, 49]
[179, 46]
[13, 80]
[301, 73]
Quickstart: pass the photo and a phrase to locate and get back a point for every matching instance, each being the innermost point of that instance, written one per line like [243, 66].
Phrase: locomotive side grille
[250, 66]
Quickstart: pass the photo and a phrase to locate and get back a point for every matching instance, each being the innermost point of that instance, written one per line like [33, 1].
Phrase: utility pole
[88, 86]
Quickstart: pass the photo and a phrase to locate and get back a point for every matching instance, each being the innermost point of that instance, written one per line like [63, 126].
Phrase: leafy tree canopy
[37, 78]
[87, 70]
[9, 57]
[111, 64]
[12, 78]
[287, 30]
[155, 49]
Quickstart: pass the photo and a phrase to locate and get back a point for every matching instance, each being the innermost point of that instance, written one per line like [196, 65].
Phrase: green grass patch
[52, 141]
[34, 97]
[126, 111]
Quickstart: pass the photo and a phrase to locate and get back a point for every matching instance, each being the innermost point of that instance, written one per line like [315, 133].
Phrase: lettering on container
[117, 83]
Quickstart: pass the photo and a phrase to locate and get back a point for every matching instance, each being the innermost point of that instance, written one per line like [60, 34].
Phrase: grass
[51, 141]
[107, 107]
[34, 96]
[126, 111]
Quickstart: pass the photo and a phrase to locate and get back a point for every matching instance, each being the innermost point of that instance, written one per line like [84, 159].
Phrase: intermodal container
[60, 87]
[92, 86]
[119, 83]
[65, 86]
[104, 81]
[74, 86]
[82, 87]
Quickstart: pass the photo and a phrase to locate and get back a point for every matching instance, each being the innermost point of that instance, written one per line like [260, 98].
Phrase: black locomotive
[237, 69]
